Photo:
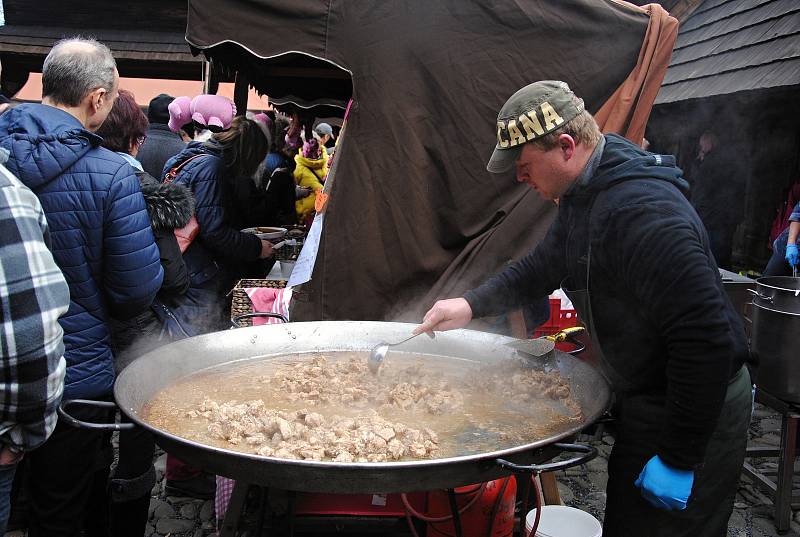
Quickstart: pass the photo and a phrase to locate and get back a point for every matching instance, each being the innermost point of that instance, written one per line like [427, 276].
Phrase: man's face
[704, 146]
[544, 171]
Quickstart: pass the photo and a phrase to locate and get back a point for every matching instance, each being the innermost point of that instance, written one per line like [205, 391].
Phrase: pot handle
[568, 334]
[62, 412]
[577, 350]
[758, 295]
[587, 453]
[235, 320]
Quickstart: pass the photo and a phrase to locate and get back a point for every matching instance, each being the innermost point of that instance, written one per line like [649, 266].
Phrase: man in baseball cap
[532, 112]
[634, 257]
[324, 133]
[324, 129]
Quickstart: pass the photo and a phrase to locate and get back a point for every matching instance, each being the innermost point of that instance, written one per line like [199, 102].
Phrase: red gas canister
[480, 506]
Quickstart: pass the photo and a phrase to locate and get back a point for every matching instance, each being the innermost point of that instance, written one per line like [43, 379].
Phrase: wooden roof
[728, 46]
[147, 37]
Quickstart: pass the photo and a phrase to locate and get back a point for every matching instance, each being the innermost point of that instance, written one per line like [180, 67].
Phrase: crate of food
[240, 302]
[559, 319]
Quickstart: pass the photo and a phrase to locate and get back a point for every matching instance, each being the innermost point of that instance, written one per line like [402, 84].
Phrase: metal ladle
[378, 354]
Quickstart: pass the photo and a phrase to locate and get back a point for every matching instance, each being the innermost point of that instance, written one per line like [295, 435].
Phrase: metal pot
[776, 323]
[778, 293]
[160, 369]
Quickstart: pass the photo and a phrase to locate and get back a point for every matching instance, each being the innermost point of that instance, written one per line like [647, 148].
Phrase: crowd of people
[122, 232]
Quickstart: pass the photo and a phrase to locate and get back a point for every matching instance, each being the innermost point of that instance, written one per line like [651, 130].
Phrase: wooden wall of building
[762, 129]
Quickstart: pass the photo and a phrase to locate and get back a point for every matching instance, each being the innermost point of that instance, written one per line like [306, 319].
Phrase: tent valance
[413, 214]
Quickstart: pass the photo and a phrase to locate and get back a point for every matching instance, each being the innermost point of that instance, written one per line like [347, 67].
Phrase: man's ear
[97, 98]
[567, 145]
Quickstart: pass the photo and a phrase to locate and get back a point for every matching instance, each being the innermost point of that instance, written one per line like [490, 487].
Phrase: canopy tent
[413, 214]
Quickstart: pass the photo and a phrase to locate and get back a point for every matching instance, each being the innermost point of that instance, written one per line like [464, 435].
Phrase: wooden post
[240, 90]
[550, 491]
[516, 321]
[210, 85]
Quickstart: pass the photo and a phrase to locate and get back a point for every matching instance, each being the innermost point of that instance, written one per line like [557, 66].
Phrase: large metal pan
[159, 369]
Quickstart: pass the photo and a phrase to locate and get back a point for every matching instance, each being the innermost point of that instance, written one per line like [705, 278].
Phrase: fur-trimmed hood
[170, 205]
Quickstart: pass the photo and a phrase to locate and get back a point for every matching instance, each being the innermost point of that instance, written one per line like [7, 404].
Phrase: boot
[130, 504]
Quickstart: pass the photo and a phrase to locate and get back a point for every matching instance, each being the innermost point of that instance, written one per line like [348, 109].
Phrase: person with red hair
[169, 206]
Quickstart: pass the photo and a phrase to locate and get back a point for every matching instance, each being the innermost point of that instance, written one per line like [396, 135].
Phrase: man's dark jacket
[718, 194]
[100, 229]
[161, 145]
[718, 190]
[169, 206]
[661, 314]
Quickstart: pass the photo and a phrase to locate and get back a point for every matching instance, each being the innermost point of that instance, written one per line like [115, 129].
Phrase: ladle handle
[404, 340]
[431, 335]
[588, 453]
[236, 324]
[62, 412]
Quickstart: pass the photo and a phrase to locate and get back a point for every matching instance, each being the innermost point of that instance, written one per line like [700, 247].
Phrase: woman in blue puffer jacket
[216, 256]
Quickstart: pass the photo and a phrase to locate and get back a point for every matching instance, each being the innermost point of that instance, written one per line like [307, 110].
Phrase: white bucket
[286, 268]
[563, 521]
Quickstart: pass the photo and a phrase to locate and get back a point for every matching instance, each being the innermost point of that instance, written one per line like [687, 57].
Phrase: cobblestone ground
[582, 487]
[174, 516]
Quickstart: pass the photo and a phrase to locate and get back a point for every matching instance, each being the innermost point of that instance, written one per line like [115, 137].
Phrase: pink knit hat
[213, 111]
[264, 123]
[264, 118]
[179, 113]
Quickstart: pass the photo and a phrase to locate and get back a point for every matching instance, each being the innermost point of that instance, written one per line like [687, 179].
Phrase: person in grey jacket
[160, 143]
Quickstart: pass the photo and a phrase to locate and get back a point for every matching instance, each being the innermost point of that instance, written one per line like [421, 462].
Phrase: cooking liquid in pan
[472, 408]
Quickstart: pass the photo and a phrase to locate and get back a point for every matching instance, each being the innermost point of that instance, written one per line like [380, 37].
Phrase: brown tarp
[413, 215]
[627, 111]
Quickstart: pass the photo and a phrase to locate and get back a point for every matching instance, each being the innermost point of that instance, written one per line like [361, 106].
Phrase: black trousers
[131, 483]
[134, 475]
[65, 474]
[711, 502]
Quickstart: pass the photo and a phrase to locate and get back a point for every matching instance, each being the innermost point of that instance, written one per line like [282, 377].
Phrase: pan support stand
[230, 524]
[778, 484]
[237, 505]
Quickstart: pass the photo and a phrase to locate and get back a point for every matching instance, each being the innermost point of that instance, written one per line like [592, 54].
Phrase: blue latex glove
[665, 487]
[791, 254]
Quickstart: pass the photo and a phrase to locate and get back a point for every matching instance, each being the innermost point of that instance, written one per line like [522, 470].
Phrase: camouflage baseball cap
[535, 110]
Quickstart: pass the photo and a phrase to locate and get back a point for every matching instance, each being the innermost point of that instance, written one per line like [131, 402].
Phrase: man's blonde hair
[583, 129]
